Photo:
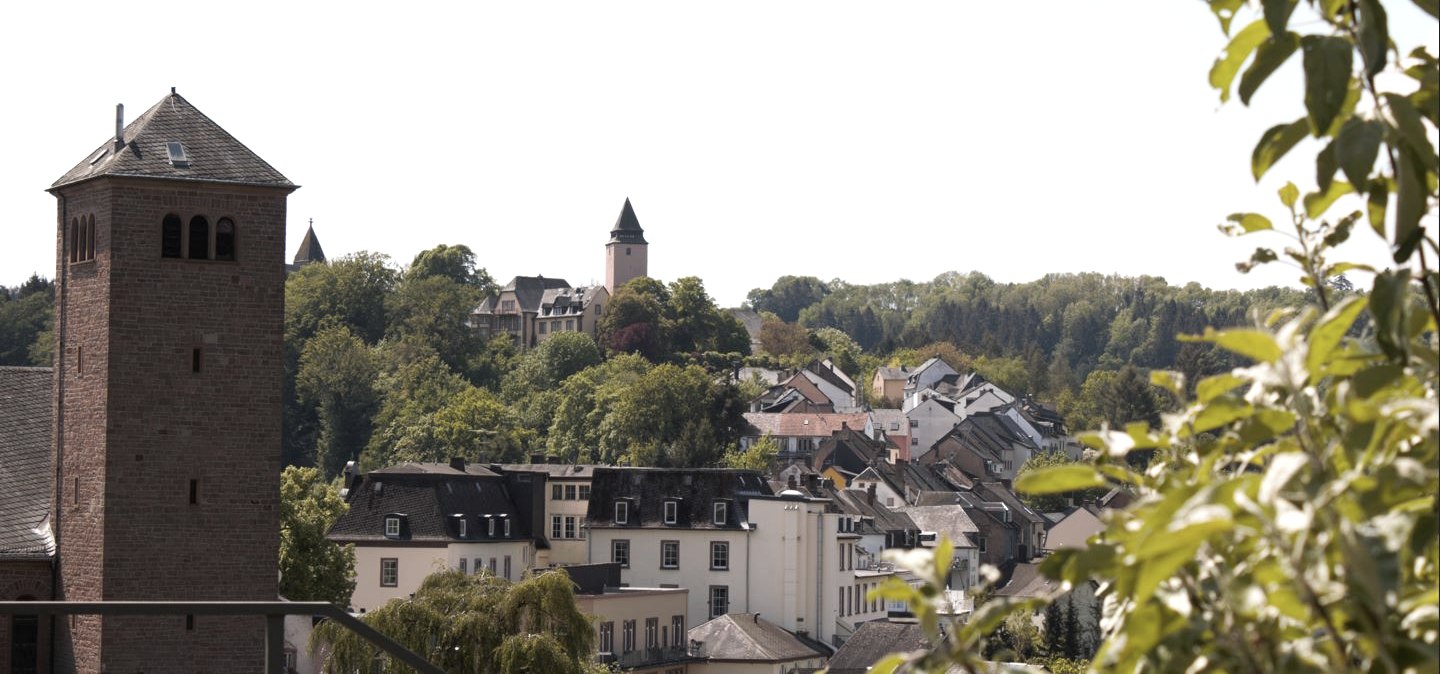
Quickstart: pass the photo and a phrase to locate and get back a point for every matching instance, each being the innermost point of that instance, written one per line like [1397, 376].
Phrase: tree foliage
[788, 296]
[1288, 518]
[312, 568]
[337, 379]
[26, 322]
[759, 456]
[475, 623]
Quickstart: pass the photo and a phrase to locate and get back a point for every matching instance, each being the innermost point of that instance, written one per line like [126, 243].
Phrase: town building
[745, 643]
[638, 629]
[413, 519]
[566, 505]
[27, 541]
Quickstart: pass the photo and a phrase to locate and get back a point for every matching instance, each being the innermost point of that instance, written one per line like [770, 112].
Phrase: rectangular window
[555, 526]
[607, 637]
[541, 326]
[555, 492]
[491, 528]
[719, 555]
[622, 512]
[669, 554]
[492, 566]
[840, 600]
[463, 567]
[195, 495]
[570, 527]
[389, 572]
[570, 492]
[569, 324]
[620, 553]
[914, 423]
[507, 528]
[628, 637]
[671, 510]
[719, 600]
[677, 627]
[584, 492]
[507, 567]
[462, 527]
[721, 512]
[652, 633]
[982, 544]
[392, 526]
[195, 360]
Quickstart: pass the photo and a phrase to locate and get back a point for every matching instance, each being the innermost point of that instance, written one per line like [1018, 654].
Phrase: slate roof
[884, 417]
[872, 641]
[429, 495]
[627, 226]
[857, 502]
[567, 301]
[1026, 581]
[746, 637]
[25, 475]
[695, 489]
[817, 425]
[987, 434]
[310, 250]
[995, 491]
[529, 290]
[950, 520]
[849, 450]
[560, 471]
[891, 373]
[213, 154]
[827, 371]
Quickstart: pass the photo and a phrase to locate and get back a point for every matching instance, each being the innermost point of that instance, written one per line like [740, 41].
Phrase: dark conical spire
[627, 227]
[310, 250]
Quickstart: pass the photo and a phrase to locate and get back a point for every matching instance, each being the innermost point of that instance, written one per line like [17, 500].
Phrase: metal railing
[651, 656]
[274, 612]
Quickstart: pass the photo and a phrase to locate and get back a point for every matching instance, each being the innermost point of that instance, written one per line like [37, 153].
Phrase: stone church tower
[625, 256]
[168, 378]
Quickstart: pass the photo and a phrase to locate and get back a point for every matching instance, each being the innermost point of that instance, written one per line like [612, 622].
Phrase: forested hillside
[382, 366]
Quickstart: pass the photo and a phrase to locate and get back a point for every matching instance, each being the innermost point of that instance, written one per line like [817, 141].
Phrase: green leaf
[1171, 381]
[1356, 147]
[1224, 10]
[1389, 304]
[1059, 479]
[888, 665]
[1248, 223]
[1277, 13]
[1328, 332]
[1210, 388]
[1375, 204]
[1374, 36]
[1411, 129]
[1219, 412]
[1222, 74]
[1339, 235]
[1272, 54]
[1325, 167]
[1409, 205]
[1283, 468]
[1431, 7]
[1328, 62]
[1261, 256]
[1317, 203]
[1331, 8]
[1288, 194]
[1256, 345]
[1274, 143]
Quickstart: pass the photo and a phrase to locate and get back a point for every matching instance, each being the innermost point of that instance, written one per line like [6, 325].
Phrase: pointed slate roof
[212, 154]
[25, 468]
[627, 227]
[310, 250]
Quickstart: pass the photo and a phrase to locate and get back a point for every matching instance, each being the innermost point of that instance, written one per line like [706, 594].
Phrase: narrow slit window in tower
[225, 239]
[170, 236]
[199, 238]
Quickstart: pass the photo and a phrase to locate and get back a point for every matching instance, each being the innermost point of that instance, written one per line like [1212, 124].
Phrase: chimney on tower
[119, 126]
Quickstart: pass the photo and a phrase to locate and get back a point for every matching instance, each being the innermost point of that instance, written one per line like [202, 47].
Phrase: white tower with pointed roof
[625, 254]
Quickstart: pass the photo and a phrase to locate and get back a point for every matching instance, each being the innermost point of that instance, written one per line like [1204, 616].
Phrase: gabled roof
[849, 450]
[567, 301]
[995, 491]
[25, 474]
[695, 491]
[826, 370]
[627, 226]
[872, 641]
[950, 520]
[529, 290]
[211, 153]
[985, 433]
[891, 373]
[310, 250]
[745, 637]
[857, 502]
[1026, 581]
[817, 425]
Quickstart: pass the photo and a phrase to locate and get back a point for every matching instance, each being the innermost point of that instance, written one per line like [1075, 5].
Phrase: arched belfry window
[90, 237]
[170, 236]
[225, 239]
[74, 239]
[199, 238]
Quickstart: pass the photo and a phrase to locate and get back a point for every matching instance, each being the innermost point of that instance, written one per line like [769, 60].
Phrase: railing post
[275, 643]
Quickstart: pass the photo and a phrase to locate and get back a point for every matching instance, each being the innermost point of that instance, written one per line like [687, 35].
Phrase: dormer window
[491, 523]
[721, 513]
[460, 525]
[507, 528]
[672, 510]
[622, 512]
[392, 526]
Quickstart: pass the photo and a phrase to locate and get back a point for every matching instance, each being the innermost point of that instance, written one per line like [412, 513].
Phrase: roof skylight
[176, 150]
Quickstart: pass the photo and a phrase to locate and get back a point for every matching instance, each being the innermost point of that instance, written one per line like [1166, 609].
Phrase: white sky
[861, 141]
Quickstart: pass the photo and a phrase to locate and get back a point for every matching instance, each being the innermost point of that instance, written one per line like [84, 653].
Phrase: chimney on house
[119, 126]
[537, 457]
[870, 494]
[790, 482]
[350, 473]
[458, 463]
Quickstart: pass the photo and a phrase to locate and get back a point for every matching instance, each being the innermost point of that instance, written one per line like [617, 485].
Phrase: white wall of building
[413, 564]
[693, 571]
[929, 421]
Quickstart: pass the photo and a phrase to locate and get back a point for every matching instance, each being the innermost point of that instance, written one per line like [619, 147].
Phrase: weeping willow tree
[474, 623]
